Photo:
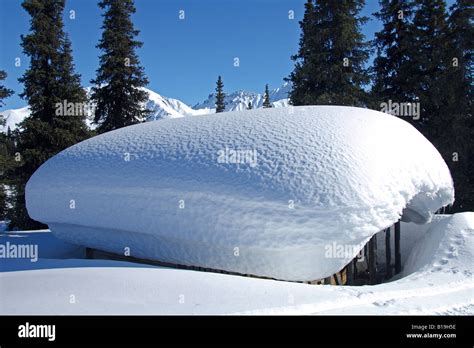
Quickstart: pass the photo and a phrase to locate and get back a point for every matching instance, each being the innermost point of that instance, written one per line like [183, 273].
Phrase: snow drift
[266, 192]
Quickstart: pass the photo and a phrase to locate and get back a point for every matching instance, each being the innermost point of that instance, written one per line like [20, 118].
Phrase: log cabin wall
[369, 270]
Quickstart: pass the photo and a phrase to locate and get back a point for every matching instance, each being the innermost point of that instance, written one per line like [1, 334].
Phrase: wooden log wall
[353, 274]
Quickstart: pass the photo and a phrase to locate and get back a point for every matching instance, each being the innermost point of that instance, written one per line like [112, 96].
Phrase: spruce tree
[459, 85]
[392, 66]
[330, 63]
[460, 58]
[459, 73]
[249, 106]
[49, 81]
[302, 80]
[7, 167]
[4, 92]
[266, 98]
[5, 158]
[118, 91]
[3, 198]
[220, 95]
[429, 58]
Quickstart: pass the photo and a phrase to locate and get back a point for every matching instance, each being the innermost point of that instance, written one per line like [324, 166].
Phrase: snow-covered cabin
[265, 192]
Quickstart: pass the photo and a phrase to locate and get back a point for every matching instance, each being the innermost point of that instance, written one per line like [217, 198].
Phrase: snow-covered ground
[437, 279]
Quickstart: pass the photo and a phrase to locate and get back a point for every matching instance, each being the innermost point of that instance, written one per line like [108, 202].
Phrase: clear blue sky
[182, 58]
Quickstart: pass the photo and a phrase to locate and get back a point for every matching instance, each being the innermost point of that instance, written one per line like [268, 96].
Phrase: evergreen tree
[49, 81]
[249, 106]
[458, 85]
[460, 62]
[7, 166]
[3, 202]
[4, 92]
[266, 98]
[220, 95]
[460, 58]
[330, 63]
[429, 58]
[4, 150]
[392, 66]
[118, 91]
[303, 82]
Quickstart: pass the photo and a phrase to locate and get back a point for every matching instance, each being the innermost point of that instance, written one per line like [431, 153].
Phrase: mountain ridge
[165, 107]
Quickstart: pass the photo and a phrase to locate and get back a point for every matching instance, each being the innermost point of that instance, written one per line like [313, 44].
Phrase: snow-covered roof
[269, 192]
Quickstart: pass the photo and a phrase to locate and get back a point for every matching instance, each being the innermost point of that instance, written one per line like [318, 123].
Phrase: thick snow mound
[267, 192]
[446, 247]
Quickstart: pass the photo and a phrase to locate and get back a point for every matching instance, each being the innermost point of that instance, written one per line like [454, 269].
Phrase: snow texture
[314, 176]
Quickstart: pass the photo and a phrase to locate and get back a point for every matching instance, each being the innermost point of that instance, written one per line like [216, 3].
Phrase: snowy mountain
[164, 107]
[239, 100]
[13, 117]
